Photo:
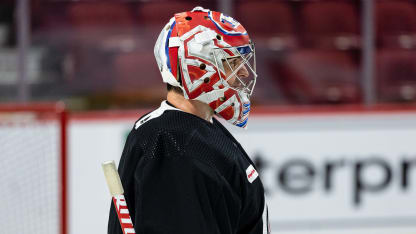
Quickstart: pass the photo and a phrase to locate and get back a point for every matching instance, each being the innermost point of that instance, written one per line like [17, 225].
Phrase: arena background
[333, 127]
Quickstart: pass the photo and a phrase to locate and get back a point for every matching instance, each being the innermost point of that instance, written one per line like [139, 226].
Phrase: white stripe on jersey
[154, 114]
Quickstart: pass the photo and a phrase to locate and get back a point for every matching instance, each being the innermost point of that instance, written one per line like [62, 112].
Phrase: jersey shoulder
[166, 125]
[170, 130]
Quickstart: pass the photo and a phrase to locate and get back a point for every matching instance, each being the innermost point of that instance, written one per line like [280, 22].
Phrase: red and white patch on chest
[251, 174]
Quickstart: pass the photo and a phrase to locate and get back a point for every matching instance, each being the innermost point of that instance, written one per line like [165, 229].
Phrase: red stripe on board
[64, 198]
[109, 115]
[333, 110]
[35, 107]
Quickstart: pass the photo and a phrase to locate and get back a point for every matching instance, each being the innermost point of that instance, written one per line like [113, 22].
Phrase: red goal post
[33, 168]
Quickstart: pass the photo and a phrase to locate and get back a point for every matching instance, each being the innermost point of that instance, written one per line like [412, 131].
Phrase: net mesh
[30, 172]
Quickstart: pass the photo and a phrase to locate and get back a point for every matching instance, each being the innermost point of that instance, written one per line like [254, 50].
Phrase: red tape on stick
[123, 214]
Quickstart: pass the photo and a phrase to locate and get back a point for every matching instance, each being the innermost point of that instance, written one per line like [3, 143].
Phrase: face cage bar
[234, 71]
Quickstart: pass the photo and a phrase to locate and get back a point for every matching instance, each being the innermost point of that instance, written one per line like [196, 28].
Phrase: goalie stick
[116, 190]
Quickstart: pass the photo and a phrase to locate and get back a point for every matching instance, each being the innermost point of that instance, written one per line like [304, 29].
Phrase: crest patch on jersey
[251, 174]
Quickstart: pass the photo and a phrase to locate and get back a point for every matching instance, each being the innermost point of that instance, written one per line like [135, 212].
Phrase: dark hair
[174, 89]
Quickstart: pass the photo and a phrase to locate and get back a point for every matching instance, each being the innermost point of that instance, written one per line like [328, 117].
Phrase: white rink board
[368, 147]
[367, 155]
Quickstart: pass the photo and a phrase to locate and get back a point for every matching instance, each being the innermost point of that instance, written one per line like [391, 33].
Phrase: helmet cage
[233, 59]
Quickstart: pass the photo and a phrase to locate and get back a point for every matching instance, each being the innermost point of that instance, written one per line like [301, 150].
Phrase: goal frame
[61, 113]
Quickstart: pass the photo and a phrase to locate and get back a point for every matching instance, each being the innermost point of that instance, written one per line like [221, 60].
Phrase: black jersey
[184, 175]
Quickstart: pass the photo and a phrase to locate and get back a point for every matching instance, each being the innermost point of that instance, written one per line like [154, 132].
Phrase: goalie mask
[211, 58]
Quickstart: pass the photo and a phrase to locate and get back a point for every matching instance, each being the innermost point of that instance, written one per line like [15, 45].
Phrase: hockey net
[33, 169]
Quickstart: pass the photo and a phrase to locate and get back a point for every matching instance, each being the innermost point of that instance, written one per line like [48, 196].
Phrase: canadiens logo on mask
[211, 58]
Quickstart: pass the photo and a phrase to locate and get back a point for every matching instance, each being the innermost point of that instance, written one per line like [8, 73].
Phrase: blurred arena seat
[110, 44]
[136, 69]
[311, 76]
[91, 69]
[100, 14]
[396, 75]
[396, 24]
[49, 17]
[330, 24]
[137, 78]
[107, 26]
[270, 23]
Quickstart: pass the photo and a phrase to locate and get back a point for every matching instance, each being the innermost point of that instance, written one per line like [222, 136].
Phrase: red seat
[49, 16]
[271, 22]
[266, 18]
[100, 24]
[396, 23]
[396, 75]
[330, 24]
[87, 15]
[318, 76]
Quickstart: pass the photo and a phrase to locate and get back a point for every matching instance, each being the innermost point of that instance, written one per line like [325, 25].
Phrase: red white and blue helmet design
[194, 52]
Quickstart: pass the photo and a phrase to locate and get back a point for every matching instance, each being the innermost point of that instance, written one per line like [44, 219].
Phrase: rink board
[323, 173]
